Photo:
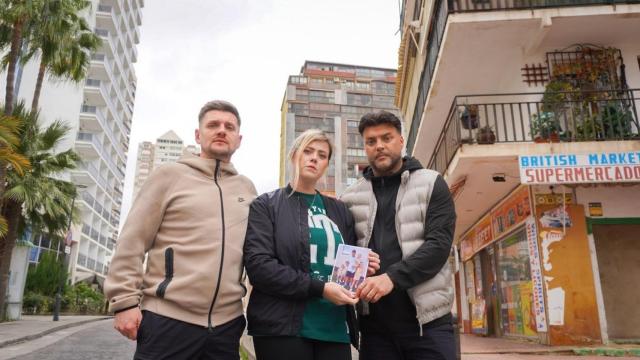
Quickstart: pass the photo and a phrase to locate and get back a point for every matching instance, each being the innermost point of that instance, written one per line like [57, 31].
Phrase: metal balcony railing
[441, 11]
[104, 33]
[104, 8]
[570, 116]
[496, 5]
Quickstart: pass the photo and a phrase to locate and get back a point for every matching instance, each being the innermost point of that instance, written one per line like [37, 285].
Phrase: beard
[386, 168]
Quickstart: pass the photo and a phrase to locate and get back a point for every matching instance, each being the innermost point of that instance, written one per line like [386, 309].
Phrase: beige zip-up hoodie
[177, 219]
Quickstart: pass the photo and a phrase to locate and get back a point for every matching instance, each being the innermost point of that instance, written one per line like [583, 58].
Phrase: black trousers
[160, 337]
[292, 347]
[436, 343]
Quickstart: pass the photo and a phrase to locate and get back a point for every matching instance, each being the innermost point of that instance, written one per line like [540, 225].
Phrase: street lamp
[67, 251]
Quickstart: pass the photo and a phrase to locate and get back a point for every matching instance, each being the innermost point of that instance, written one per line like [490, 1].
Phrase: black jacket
[276, 256]
[396, 311]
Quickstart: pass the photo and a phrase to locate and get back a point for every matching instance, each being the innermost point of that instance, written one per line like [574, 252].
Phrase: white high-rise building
[167, 149]
[144, 165]
[99, 111]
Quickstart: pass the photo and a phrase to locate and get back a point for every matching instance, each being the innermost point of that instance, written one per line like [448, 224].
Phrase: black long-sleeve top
[395, 312]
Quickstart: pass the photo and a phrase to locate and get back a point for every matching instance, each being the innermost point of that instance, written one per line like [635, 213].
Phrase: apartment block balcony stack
[529, 110]
[333, 97]
[102, 137]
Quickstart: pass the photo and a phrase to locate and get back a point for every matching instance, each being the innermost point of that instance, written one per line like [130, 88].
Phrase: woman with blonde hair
[289, 252]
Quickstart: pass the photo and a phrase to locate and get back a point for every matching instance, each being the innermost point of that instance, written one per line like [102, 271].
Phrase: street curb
[49, 331]
[558, 350]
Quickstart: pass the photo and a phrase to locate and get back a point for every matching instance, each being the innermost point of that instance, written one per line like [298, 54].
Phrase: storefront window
[516, 292]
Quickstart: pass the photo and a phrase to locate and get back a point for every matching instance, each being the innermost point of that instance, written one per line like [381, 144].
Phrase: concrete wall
[618, 201]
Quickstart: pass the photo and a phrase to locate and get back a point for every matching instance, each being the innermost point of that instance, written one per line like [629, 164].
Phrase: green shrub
[36, 303]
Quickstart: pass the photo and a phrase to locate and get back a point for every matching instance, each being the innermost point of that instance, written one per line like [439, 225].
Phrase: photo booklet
[350, 268]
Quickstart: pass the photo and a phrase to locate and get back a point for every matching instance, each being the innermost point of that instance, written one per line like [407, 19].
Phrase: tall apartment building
[144, 165]
[167, 149]
[333, 98]
[529, 109]
[99, 112]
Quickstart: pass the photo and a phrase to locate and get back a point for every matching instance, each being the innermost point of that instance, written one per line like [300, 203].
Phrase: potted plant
[485, 135]
[545, 127]
[469, 117]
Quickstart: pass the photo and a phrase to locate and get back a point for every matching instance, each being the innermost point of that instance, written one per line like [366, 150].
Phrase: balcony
[99, 148]
[480, 46]
[94, 113]
[100, 210]
[484, 134]
[458, 6]
[83, 169]
[570, 116]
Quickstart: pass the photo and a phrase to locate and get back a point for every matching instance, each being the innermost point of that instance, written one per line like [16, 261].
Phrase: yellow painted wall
[568, 275]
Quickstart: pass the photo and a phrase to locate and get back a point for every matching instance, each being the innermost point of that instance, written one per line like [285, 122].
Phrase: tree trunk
[12, 212]
[14, 54]
[36, 92]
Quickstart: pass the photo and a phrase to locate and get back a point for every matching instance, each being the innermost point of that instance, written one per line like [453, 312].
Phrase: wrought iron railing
[497, 5]
[568, 116]
[441, 11]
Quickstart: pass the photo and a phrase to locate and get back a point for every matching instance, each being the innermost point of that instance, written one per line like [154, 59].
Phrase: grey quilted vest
[432, 298]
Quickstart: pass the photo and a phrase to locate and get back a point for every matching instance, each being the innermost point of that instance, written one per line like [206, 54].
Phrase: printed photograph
[350, 268]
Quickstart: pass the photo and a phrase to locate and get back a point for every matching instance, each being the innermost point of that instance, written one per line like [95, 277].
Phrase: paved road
[97, 342]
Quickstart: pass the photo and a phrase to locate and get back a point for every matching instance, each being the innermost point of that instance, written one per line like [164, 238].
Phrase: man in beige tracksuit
[190, 218]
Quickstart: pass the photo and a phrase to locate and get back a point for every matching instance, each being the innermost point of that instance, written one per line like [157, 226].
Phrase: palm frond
[4, 226]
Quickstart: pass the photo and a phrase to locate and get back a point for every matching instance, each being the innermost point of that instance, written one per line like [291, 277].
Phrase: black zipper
[215, 294]
[168, 273]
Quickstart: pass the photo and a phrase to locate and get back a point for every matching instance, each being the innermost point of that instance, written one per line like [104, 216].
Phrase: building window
[356, 152]
[383, 88]
[358, 99]
[354, 140]
[383, 101]
[298, 80]
[321, 96]
[362, 86]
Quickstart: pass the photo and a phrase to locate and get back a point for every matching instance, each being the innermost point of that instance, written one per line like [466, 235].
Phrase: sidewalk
[473, 344]
[35, 326]
[477, 345]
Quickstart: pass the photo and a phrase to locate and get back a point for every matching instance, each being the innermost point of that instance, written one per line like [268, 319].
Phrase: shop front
[557, 259]
[503, 282]
[588, 221]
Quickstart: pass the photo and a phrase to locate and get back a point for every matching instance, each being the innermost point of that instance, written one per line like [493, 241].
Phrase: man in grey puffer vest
[406, 214]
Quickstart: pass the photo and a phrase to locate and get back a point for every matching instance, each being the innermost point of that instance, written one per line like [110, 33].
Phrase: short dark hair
[219, 105]
[378, 118]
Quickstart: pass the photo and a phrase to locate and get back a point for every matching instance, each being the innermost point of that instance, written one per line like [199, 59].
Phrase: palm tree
[37, 196]
[15, 15]
[64, 41]
[9, 139]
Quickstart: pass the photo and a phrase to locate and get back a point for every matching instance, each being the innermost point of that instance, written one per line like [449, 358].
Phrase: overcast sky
[193, 51]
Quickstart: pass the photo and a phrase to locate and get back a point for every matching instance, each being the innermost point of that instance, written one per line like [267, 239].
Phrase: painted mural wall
[567, 275]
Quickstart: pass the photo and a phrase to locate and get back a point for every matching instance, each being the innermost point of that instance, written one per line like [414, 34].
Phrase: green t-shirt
[322, 320]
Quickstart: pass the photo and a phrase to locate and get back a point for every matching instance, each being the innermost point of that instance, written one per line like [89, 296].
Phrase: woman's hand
[374, 263]
[338, 295]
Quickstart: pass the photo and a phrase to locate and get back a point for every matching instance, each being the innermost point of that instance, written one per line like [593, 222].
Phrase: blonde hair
[300, 143]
